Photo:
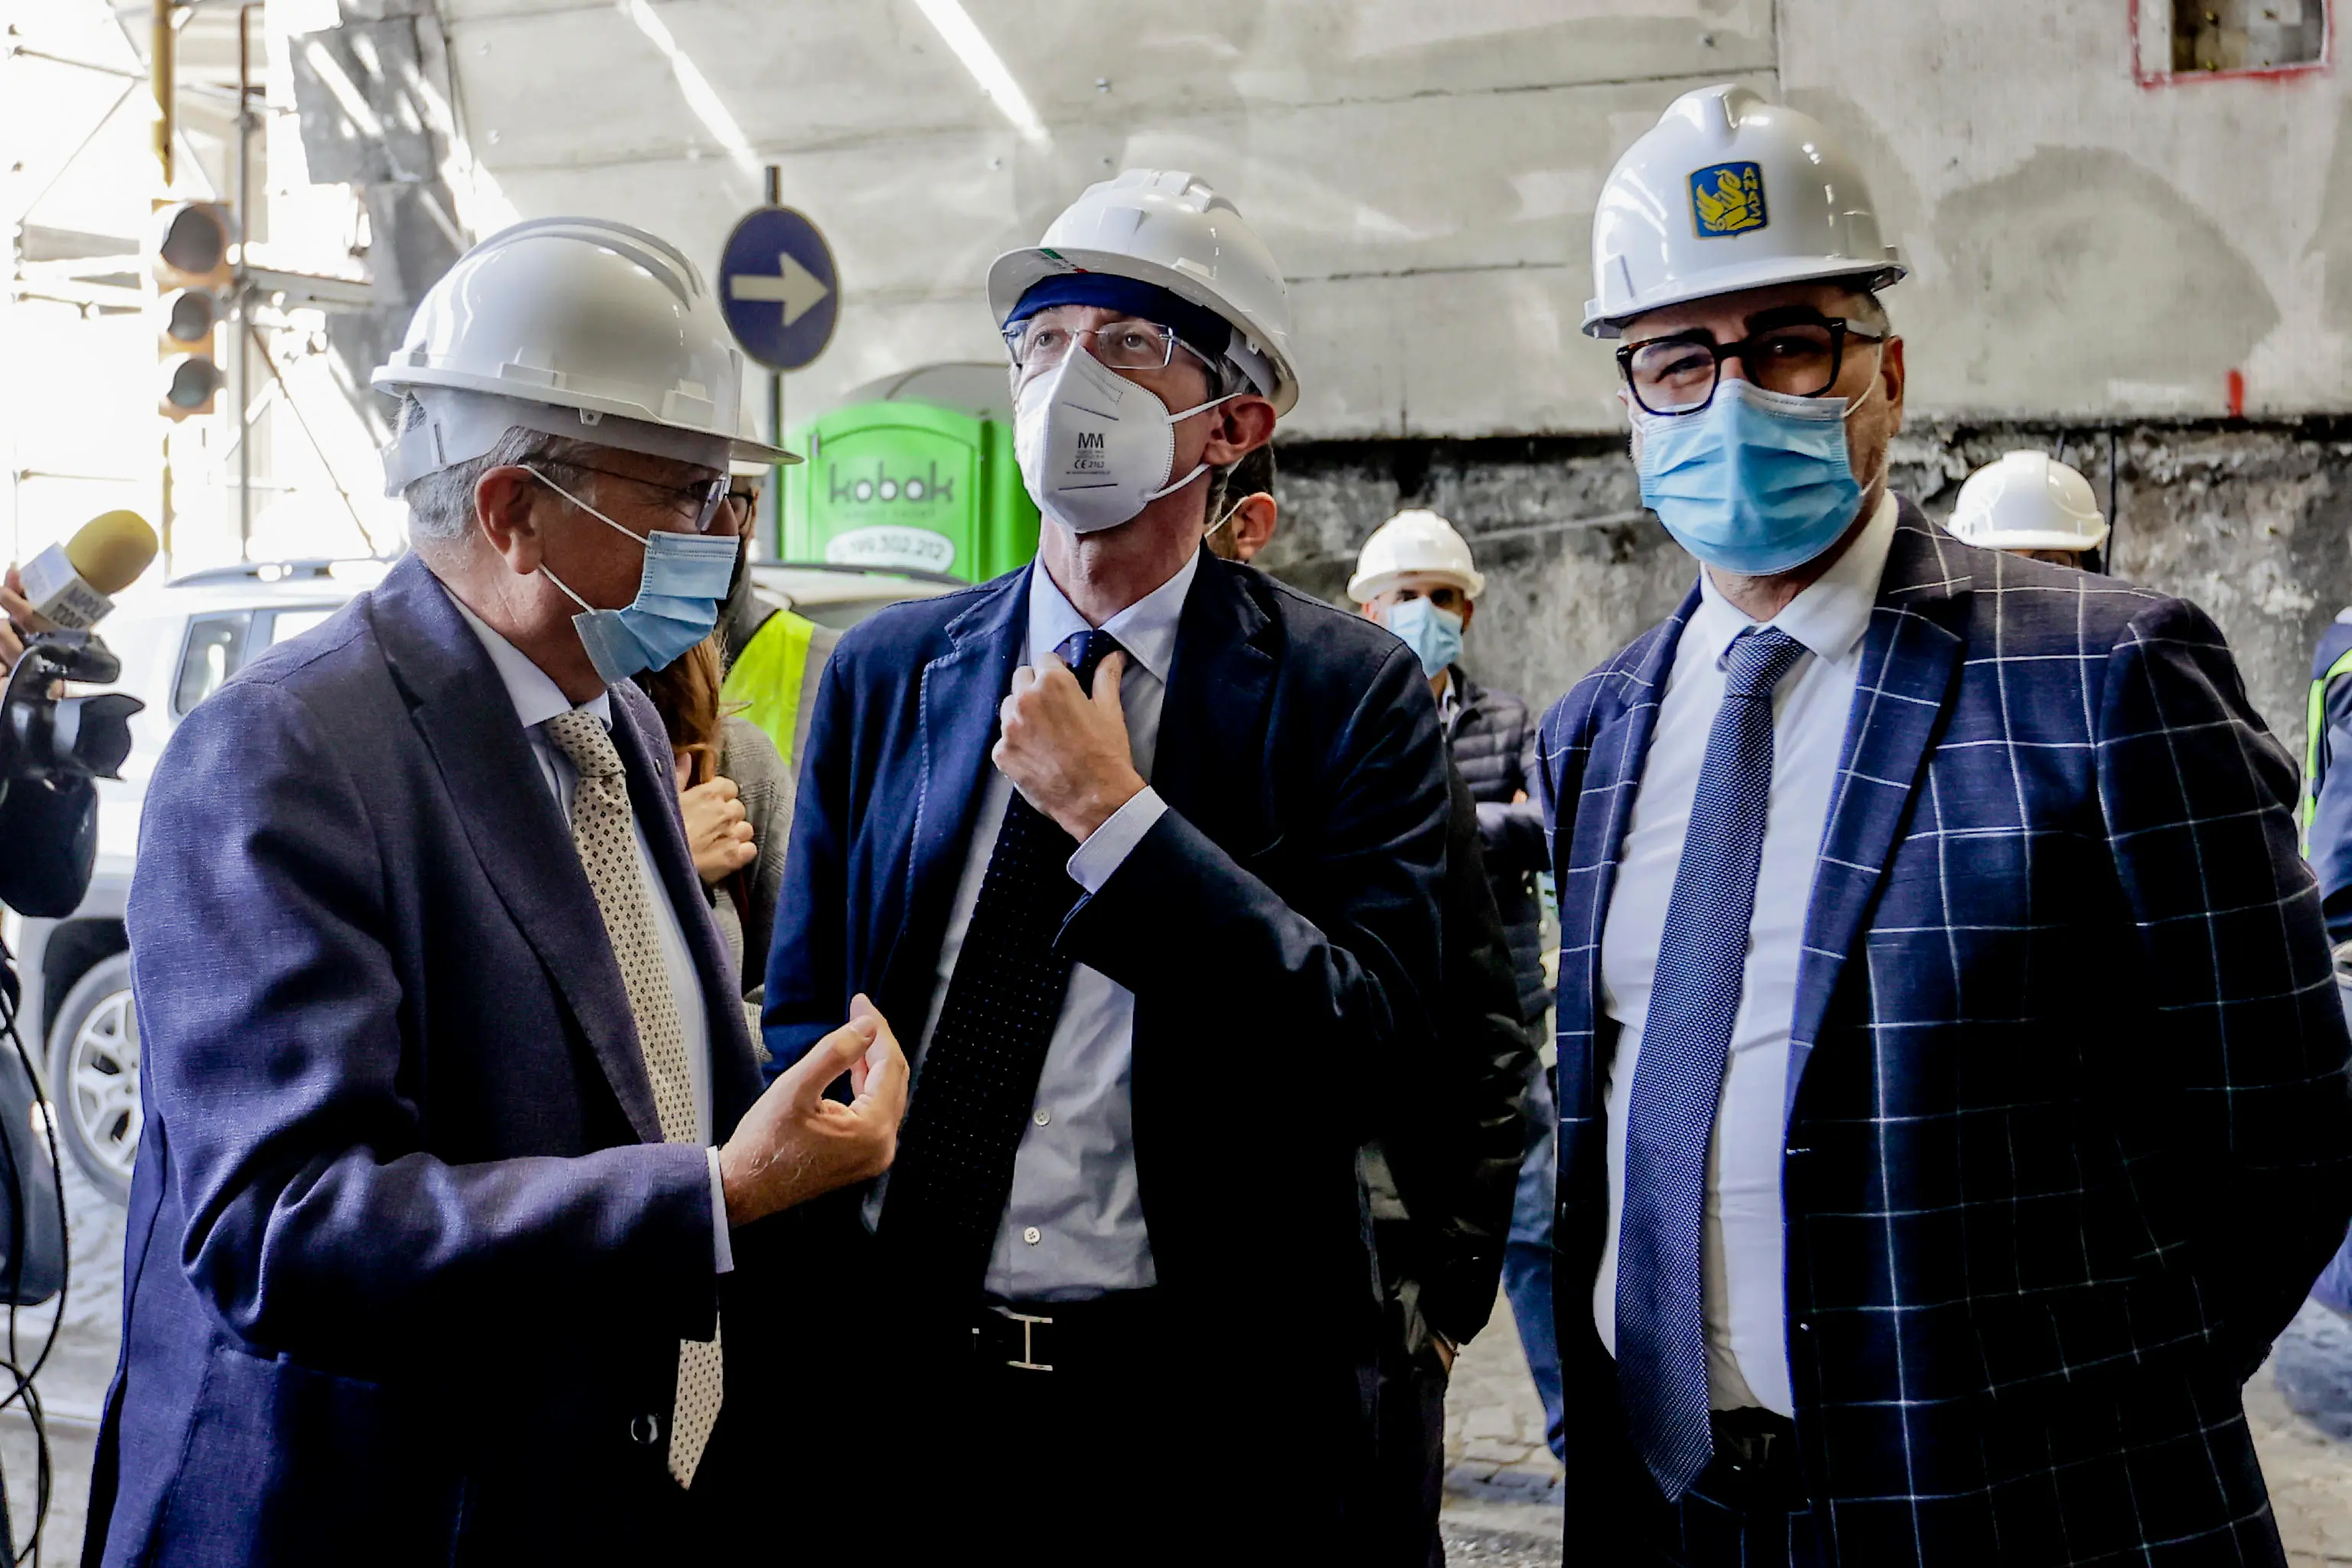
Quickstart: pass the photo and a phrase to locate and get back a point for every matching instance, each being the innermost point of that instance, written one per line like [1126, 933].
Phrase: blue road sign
[778, 288]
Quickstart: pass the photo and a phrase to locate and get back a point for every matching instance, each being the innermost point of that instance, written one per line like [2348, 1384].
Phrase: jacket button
[644, 1430]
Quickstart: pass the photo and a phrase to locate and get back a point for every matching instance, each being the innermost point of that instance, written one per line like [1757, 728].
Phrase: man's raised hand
[795, 1144]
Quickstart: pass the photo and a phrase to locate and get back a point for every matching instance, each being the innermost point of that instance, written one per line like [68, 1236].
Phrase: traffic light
[192, 374]
[189, 258]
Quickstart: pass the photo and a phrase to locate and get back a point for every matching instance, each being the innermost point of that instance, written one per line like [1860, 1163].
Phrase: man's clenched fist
[1065, 751]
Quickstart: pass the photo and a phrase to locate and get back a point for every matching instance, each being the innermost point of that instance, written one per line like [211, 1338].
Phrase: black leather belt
[1110, 1330]
[1755, 1461]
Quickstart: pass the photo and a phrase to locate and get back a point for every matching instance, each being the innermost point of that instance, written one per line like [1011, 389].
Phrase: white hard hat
[2029, 500]
[1168, 227]
[1413, 542]
[578, 327]
[1727, 192]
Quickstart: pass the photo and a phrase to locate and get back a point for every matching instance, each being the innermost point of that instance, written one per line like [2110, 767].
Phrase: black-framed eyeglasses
[1038, 345]
[700, 501]
[739, 503]
[1801, 356]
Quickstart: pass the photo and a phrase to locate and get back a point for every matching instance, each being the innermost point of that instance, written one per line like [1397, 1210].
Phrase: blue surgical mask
[1434, 635]
[1756, 482]
[679, 589]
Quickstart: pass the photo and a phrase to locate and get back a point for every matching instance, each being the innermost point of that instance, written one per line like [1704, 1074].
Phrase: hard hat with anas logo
[1727, 192]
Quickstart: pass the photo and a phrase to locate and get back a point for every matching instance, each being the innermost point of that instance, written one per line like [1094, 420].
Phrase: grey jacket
[1493, 739]
[765, 786]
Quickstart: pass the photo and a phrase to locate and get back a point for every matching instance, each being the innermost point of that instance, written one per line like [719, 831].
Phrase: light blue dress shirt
[1072, 1229]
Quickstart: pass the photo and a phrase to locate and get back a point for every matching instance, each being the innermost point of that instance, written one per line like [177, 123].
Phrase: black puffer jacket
[1493, 738]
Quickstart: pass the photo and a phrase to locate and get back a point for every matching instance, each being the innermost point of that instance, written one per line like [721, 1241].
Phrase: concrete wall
[2253, 523]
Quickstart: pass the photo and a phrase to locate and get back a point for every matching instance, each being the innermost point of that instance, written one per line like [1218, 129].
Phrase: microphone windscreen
[113, 550]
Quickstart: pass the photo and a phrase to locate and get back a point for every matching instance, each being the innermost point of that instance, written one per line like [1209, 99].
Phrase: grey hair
[441, 504]
[1866, 312]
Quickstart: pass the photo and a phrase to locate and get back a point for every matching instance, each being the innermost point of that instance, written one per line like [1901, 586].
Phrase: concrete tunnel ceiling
[1425, 173]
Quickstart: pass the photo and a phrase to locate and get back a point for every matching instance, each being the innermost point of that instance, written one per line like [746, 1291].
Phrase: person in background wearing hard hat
[1416, 577]
[453, 1118]
[1443, 1171]
[2031, 504]
[1952, 1089]
[1122, 1234]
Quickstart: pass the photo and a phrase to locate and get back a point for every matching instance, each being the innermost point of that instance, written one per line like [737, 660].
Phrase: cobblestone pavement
[1502, 1507]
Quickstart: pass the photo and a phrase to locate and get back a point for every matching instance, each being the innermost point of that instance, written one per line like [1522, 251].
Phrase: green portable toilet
[912, 473]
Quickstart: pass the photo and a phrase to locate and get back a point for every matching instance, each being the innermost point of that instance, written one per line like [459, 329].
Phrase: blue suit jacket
[406, 1254]
[1278, 925]
[2069, 1128]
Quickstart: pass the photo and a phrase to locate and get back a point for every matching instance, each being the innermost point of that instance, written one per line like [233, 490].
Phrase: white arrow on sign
[793, 287]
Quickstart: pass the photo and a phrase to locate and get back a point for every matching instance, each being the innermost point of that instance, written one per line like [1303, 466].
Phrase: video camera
[52, 748]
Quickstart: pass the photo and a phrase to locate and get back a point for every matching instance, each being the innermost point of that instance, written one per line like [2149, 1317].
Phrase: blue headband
[1199, 326]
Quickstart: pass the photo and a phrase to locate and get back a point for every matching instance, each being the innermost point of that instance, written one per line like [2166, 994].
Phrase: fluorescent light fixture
[699, 96]
[956, 27]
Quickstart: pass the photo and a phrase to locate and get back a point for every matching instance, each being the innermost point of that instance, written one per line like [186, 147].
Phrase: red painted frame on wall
[2324, 63]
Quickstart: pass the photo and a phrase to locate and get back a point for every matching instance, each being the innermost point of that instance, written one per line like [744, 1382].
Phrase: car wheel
[94, 1075]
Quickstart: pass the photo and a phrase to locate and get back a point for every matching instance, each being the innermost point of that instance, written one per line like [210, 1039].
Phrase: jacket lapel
[459, 706]
[1911, 660]
[960, 694]
[1212, 719]
[1612, 778]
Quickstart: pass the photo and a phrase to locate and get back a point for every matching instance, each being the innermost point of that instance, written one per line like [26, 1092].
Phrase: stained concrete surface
[2251, 521]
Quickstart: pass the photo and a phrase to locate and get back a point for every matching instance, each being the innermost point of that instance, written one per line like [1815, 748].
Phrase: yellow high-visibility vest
[773, 682]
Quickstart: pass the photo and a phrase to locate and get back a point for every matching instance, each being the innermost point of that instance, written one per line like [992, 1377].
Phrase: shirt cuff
[722, 1245]
[1107, 846]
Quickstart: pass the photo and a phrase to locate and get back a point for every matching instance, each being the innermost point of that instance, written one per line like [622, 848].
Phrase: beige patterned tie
[608, 853]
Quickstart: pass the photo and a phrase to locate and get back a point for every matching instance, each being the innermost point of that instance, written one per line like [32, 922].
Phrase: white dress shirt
[1073, 1226]
[1741, 1242]
[537, 699]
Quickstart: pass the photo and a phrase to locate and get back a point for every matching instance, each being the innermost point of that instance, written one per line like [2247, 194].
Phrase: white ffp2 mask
[1096, 448]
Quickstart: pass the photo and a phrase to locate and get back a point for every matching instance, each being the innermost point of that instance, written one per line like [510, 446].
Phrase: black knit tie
[978, 1075]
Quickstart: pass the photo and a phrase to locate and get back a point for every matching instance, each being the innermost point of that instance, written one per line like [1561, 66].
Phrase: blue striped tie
[1685, 1042]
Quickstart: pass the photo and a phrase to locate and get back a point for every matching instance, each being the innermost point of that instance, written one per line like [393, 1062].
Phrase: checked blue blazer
[2069, 1134]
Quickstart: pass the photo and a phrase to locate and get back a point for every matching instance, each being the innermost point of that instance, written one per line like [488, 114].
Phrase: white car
[178, 643]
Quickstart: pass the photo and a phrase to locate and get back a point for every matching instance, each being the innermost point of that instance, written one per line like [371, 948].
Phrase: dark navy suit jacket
[407, 1254]
[1278, 926]
[2069, 1129]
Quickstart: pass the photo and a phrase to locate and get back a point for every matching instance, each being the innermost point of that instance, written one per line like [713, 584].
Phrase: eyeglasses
[1678, 375]
[1037, 345]
[738, 505]
[699, 502]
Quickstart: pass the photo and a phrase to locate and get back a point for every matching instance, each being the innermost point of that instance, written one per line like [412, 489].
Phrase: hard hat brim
[1366, 587]
[2033, 539]
[1015, 272]
[1765, 272]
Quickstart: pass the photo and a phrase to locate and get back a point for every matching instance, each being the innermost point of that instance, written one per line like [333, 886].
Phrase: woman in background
[738, 800]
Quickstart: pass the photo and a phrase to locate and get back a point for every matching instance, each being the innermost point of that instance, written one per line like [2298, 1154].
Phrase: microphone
[73, 583]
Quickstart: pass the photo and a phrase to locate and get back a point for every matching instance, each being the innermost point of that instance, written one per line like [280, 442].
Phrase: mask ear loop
[1198, 468]
[1226, 518]
[1885, 458]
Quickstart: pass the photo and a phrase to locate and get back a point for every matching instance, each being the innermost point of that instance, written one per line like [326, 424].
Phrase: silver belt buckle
[1028, 1342]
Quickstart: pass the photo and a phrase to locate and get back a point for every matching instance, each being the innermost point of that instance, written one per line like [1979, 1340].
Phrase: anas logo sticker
[1727, 198]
